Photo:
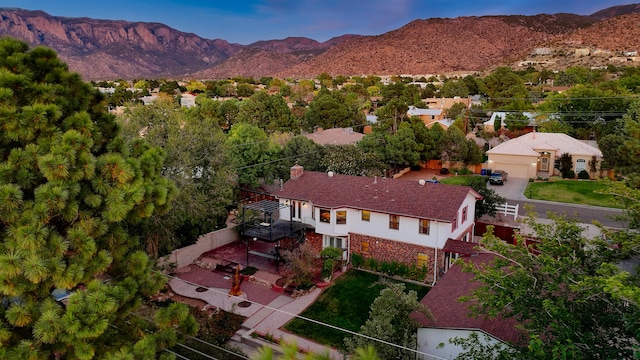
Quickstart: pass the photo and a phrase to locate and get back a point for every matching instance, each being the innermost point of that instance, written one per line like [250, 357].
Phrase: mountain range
[112, 49]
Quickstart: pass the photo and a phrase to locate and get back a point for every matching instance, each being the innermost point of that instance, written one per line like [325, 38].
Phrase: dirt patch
[189, 301]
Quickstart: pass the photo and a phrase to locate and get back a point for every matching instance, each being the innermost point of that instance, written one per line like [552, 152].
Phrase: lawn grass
[458, 180]
[344, 304]
[570, 191]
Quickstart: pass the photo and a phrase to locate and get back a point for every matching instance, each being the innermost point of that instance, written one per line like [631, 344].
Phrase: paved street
[513, 191]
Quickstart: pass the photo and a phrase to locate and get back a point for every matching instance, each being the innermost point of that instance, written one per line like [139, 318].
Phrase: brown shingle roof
[460, 247]
[336, 136]
[448, 312]
[391, 196]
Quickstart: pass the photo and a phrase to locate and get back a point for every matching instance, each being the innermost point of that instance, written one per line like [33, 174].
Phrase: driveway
[513, 188]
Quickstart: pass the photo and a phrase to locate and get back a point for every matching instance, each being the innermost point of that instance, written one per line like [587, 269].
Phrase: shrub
[583, 174]
[372, 264]
[464, 171]
[357, 260]
[444, 171]
[417, 273]
[569, 175]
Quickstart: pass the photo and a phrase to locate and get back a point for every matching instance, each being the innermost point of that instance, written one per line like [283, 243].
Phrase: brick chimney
[296, 171]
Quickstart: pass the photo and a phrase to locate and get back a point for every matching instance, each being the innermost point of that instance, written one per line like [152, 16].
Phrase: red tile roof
[448, 312]
[392, 196]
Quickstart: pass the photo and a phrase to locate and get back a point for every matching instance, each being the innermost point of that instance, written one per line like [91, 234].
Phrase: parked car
[498, 177]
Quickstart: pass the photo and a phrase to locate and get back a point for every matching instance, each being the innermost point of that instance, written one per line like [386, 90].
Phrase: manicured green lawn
[344, 304]
[570, 191]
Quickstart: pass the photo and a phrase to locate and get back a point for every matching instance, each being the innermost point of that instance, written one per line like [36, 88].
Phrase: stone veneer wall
[315, 240]
[390, 250]
[385, 250]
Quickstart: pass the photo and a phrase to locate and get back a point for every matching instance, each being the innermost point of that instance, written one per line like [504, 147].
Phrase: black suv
[498, 177]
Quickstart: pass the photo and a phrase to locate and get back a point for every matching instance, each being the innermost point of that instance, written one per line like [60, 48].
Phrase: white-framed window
[341, 217]
[423, 228]
[334, 241]
[325, 215]
[581, 164]
[394, 222]
[366, 215]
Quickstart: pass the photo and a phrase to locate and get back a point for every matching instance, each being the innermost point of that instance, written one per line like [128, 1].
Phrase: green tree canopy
[452, 88]
[252, 154]
[196, 161]
[506, 90]
[70, 189]
[330, 110]
[566, 293]
[389, 321]
[516, 121]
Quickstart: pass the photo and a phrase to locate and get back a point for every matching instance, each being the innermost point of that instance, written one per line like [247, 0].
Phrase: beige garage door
[514, 170]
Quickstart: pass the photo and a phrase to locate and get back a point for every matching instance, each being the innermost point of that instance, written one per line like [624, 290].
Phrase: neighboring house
[428, 116]
[372, 119]
[385, 219]
[451, 318]
[149, 99]
[446, 103]
[537, 154]
[336, 136]
[187, 100]
[502, 116]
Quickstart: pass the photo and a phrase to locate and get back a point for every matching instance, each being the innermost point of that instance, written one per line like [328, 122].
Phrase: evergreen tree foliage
[69, 189]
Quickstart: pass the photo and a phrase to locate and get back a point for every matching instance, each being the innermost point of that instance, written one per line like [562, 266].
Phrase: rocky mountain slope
[248, 62]
[105, 49]
[111, 49]
[439, 45]
[621, 33]
[616, 11]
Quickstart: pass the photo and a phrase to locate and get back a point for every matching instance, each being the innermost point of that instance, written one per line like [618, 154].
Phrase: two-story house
[386, 219]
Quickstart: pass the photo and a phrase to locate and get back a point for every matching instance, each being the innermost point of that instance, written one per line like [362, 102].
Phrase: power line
[176, 354]
[274, 161]
[196, 339]
[197, 351]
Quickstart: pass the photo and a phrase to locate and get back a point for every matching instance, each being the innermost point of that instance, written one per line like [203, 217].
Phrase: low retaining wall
[213, 240]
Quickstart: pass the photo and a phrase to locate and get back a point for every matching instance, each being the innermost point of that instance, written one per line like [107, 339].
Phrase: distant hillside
[249, 62]
[110, 49]
[106, 49]
[621, 33]
[616, 11]
[441, 45]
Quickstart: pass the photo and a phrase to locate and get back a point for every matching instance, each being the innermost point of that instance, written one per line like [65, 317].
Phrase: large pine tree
[69, 190]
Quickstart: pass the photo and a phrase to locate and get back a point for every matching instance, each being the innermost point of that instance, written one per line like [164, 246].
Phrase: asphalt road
[513, 191]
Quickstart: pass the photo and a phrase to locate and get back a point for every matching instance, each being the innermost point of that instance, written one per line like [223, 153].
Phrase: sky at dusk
[248, 21]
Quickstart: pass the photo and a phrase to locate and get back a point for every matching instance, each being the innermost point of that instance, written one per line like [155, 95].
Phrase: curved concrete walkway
[267, 314]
